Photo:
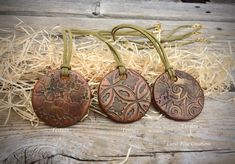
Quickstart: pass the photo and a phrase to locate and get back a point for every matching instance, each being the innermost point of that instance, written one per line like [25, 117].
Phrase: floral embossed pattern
[61, 101]
[124, 100]
[181, 100]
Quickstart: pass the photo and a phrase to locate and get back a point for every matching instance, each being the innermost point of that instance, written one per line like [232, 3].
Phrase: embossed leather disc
[61, 101]
[181, 100]
[124, 100]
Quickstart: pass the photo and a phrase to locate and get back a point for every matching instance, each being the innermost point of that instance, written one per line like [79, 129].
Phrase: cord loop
[157, 45]
[68, 47]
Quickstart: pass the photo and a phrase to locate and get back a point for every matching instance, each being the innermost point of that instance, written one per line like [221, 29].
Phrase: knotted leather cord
[65, 67]
[170, 37]
[177, 29]
[157, 45]
[116, 55]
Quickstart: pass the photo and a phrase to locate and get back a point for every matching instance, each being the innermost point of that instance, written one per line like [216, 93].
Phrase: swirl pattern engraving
[61, 101]
[181, 100]
[124, 100]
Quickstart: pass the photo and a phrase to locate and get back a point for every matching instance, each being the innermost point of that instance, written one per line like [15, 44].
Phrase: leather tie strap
[157, 45]
[68, 47]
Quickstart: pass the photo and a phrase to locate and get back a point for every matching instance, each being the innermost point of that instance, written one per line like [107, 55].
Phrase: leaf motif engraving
[107, 96]
[128, 99]
[124, 93]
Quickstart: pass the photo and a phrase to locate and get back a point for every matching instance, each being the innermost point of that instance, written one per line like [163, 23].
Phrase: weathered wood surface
[133, 9]
[208, 138]
[221, 34]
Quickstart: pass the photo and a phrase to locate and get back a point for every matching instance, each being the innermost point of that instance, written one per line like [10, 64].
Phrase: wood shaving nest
[26, 54]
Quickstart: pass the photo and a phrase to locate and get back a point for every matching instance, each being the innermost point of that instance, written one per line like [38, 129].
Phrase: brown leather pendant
[181, 100]
[61, 101]
[124, 99]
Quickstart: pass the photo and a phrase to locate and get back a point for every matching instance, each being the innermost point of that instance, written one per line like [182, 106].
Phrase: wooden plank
[220, 33]
[167, 10]
[48, 7]
[211, 136]
[208, 138]
[222, 1]
[141, 9]
[223, 29]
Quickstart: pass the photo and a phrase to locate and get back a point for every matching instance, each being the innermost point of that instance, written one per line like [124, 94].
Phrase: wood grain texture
[167, 10]
[220, 33]
[141, 9]
[208, 138]
[211, 136]
[48, 8]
